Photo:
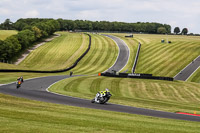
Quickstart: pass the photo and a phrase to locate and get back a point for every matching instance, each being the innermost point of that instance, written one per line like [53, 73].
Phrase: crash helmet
[106, 89]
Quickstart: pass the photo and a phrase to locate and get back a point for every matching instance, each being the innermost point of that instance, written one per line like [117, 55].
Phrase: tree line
[86, 25]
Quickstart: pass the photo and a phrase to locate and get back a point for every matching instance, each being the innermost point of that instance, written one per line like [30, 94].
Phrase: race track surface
[188, 70]
[35, 89]
[123, 54]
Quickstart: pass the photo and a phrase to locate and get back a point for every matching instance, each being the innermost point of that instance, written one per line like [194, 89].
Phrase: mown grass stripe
[190, 95]
[176, 94]
[102, 54]
[91, 58]
[54, 54]
[97, 62]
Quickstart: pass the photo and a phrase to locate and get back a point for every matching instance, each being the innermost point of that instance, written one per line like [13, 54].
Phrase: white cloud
[32, 14]
[182, 13]
[4, 11]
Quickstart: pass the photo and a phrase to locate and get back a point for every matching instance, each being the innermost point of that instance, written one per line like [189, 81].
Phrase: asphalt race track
[188, 70]
[36, 89]
[123, 54]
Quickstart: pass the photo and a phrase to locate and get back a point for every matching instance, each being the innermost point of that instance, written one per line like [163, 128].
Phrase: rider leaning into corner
[100, 94]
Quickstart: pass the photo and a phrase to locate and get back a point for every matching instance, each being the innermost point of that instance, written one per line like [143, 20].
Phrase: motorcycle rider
[100, 94]
[20, 79]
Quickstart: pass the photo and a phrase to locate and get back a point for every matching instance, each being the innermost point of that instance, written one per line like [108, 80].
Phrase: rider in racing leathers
[20, 79]
[100, 94]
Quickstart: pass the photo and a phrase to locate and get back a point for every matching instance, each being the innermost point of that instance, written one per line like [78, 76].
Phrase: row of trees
[177, 31]
[113, 26]
[85, 25]
[26, 37]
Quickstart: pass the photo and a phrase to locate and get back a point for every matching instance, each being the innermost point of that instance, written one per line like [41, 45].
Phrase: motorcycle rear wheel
[93, 100]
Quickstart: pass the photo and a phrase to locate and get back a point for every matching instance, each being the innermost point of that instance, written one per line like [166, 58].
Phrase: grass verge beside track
[22, 115]
[153, 94]
[195, 77]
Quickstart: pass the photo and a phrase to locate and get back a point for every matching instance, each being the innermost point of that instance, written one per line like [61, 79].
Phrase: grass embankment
[6, 33]
[153, 94]
[102, 55]
[10, 66]
[164, 59]
[21, 115]
[59, 53]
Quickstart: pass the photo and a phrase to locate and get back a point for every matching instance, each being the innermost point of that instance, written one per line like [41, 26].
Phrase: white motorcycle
[101, 97]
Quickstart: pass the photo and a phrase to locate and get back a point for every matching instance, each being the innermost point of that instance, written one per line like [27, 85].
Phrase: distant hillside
[6, 33]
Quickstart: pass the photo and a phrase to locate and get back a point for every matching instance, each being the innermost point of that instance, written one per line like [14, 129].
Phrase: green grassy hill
[163, 59]
[6, 33]
[22, 116]
[58, 54]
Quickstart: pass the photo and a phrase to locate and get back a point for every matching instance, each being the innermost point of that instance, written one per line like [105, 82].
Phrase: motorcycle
[18, 84]
[102, 97]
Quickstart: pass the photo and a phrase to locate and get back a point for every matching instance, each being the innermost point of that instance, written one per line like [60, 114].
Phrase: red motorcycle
[18, 83]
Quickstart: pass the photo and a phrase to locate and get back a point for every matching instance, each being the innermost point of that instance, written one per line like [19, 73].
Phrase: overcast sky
[181, 13]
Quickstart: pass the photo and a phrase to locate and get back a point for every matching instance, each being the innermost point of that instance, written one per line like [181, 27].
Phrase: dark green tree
[184, 31]
[176, 30]
[7, 25]
[11, 47]
[26, 38]
[2, 52]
